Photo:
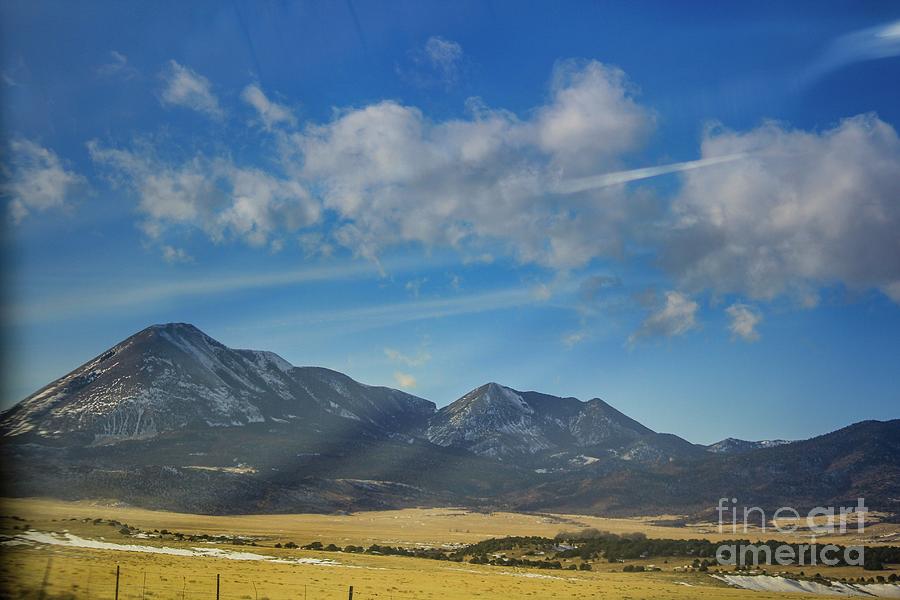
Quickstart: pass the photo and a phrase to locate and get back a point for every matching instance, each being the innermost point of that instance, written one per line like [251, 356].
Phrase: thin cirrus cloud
[144, 294]
[363, 318]
[438, 63]
[872, 43]
[415, 360]
[186, 88]
[36, 180]
[118, 66]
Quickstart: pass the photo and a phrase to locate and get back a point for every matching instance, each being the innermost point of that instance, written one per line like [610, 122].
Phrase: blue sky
[690, 213]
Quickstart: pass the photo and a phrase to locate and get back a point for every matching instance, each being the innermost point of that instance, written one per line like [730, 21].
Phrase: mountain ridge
[170, 418]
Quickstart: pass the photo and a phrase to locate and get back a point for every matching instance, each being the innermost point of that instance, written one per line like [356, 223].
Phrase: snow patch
[770, 583]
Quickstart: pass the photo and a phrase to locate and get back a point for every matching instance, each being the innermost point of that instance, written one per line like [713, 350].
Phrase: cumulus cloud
[36, 180]
[215, 195]
[437, 63]
[675, 316]
[270, 113]
[593, 118]
[744, 319]
[405, 380]
[186, 88]
[394, 176]
[801, 210]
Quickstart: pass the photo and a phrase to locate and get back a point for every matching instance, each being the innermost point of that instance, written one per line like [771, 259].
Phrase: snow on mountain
[173, 376]
[498, 421]
[492, 420]
[736, 446]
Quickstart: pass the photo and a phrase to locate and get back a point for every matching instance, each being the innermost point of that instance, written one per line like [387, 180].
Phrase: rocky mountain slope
[170, 377]
[494, 420]
[736, 446]
[172, 419]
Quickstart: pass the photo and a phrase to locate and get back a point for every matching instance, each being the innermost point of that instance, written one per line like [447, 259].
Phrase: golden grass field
[90, 573]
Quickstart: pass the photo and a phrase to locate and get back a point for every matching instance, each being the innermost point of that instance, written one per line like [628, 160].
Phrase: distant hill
[172, 419]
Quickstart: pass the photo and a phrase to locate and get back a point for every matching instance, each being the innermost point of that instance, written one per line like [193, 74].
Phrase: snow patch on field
[768, 583]
[68, 539]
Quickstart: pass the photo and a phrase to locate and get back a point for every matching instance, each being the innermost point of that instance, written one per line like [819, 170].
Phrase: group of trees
[593, 544]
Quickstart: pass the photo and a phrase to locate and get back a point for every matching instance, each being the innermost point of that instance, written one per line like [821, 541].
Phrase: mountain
[170, 377]
[173, 419]
[498, 421]
[858, 461]
[736, 446]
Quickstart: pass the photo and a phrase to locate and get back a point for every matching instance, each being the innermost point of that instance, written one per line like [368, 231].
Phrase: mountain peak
[173, 376]
[496, 420]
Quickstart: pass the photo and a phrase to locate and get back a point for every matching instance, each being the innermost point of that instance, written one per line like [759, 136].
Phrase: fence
[117, 583]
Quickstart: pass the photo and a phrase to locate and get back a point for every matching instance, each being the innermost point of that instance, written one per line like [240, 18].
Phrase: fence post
[350, 597]
[217, 586]
[46, 577]
[117, 582]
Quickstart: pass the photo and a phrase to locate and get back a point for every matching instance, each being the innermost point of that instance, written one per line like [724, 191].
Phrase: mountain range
[171, 418]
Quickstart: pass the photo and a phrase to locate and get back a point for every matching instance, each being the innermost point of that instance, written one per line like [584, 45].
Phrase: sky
[693, 214]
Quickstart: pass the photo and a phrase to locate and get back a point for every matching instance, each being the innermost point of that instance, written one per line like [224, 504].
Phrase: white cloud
[393, 176]
[117, 66]
[416, 360]
[676, 316]
[573, 339]
[270, 113]
[414, 286]
[36, 180]
[445, 56]
[744, 319]
[882, 41]
[175, 255]
[405, 380]
[542, 292]
[801, 210]
[593, 118]
[215, 195]
[184, 87]
[437, 63]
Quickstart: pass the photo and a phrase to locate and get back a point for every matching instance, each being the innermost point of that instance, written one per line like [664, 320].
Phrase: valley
[258, 556]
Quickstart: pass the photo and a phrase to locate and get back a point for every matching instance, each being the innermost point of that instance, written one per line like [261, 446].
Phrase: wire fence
[119, 583]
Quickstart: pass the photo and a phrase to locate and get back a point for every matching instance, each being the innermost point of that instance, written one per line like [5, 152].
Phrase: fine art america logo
[820, 520]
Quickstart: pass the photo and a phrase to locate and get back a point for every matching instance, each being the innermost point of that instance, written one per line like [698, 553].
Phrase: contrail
[582, 184]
